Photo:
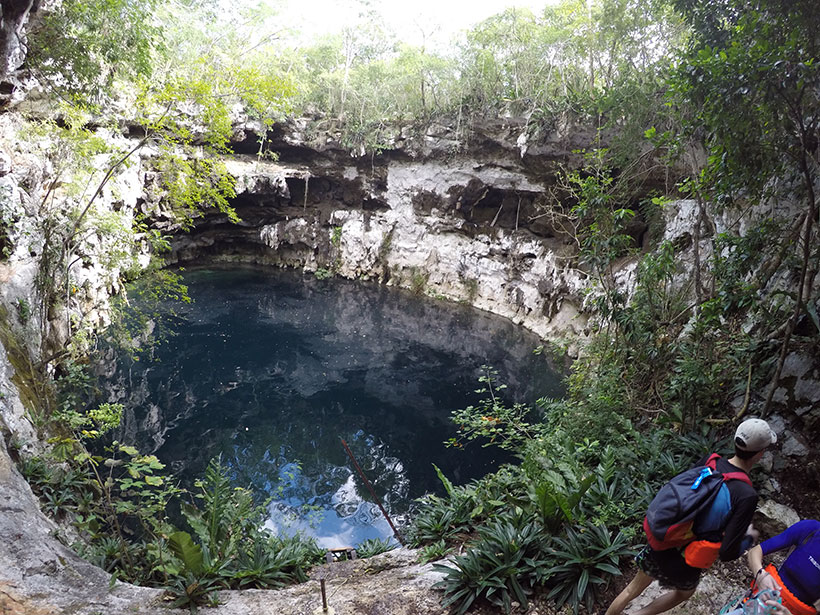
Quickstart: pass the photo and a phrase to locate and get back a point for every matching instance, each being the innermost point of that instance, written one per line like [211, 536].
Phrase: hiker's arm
[735, 539]
[763, 580]
[755, 559]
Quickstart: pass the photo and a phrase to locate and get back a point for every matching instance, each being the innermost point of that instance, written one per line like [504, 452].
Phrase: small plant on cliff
[23, 310]
[471, 286]
[336, 236]
[418, 281]
[385, 245]
[374, 546]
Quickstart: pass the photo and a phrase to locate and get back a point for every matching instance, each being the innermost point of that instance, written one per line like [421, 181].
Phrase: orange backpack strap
[794, 605]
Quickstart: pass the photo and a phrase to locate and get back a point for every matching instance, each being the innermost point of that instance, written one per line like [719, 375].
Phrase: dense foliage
[561, 523]
[751, 75]
[116, 509]
[687, 350]
[603, 60]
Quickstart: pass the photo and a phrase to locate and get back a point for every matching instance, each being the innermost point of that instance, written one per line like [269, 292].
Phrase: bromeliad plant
[584, 559]
[191, 587]
[500, 567]
[374, 546]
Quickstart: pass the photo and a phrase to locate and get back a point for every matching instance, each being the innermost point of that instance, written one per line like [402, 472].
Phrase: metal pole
[373, 493]
[325, 610]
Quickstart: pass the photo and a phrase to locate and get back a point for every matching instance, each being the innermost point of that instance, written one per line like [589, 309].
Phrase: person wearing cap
[798, 579]
[752, 438]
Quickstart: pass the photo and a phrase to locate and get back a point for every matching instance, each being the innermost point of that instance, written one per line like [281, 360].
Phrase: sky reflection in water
[271, 368]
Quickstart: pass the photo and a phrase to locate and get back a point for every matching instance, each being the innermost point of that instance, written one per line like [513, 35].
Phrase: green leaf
[186, 550]
[448, 486]
[608, 568]
[582, 583]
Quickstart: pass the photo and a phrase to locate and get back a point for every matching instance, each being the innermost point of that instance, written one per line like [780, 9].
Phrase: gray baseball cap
[754, 435]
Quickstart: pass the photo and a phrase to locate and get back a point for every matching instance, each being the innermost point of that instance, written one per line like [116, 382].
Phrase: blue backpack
[694, 504]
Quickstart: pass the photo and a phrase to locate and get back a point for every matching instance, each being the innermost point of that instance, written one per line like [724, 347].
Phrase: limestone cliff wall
[472, 225]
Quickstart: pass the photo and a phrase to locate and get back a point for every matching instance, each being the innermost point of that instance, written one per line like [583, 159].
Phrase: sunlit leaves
[752, 75]
[194, 184]
[80, 47]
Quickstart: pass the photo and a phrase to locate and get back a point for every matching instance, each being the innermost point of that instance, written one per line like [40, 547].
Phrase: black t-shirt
[744, 503]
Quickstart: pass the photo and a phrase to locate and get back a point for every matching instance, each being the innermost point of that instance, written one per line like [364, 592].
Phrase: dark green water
[270, 368]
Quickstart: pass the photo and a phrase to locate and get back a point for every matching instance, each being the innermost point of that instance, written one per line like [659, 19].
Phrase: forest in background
[726, 93]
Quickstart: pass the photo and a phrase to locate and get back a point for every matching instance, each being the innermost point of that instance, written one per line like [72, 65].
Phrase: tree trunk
[12, 19]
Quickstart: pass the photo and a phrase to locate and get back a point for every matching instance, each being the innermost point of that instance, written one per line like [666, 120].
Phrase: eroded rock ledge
[472, 226]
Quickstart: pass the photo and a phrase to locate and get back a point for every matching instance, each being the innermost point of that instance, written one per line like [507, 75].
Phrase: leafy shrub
[504, 489]
[583, 560]
[433, 551]
[500, 567]
[492, 420]
[556, 499]
[119, 511]
[236, 549]
[616, 503]
[374, 546]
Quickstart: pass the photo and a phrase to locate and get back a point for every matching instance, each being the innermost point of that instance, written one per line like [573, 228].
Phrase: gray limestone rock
[793, 447]
[772, 518]
[5, 163]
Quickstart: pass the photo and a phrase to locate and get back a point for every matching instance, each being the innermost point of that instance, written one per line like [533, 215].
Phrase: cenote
[270, 369]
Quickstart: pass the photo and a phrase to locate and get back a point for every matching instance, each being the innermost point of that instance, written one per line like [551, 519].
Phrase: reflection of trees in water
[270, 370]
[300, 472]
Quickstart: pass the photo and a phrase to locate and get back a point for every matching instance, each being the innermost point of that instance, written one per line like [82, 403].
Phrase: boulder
[772, 518]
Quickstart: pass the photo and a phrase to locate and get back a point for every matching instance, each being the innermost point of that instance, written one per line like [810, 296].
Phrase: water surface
[271, 368]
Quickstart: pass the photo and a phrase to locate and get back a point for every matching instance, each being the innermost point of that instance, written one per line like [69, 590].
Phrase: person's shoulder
[742, 490]
[725, 467]
[806, 527]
